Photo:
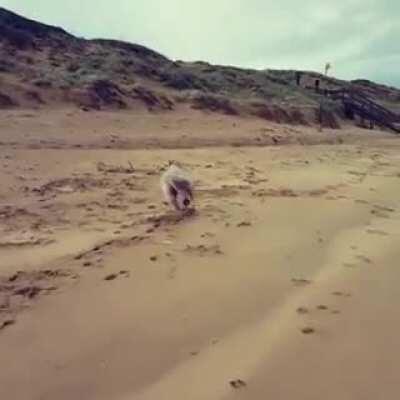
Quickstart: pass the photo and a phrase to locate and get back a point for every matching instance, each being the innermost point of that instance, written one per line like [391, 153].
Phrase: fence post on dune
[320, 116]
[298, 78]
[316, 86]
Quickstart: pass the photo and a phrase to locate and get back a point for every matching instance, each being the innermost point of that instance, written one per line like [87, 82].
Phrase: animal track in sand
[22, 288]
[203, 250]
[384, 208]
[98, 249]
[19, 239]
[286, 192]
[170, 218]
[305, 311]
[382, 211]
[274, 193]
[70, 185]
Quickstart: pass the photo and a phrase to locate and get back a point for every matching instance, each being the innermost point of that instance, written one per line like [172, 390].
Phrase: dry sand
[282, 285]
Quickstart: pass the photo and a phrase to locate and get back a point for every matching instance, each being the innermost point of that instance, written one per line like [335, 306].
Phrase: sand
[283, 284]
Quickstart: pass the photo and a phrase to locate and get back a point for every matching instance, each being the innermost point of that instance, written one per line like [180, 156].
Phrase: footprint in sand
[308, 330]
[237, 383]
[302, 310]
[172, 272]
[349, 265]
[360, 201]
[99, 263]
[87, 264]
[380, 214]
[207, 235]
[111, 277]
[341, 294]
[364, 259]
[301, 281]
[384, 208]
[6, 323]
[244, 224]
[377, 232]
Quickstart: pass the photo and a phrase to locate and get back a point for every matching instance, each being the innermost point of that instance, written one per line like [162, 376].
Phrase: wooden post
[317, 86]
[320, 117]
[298, 77]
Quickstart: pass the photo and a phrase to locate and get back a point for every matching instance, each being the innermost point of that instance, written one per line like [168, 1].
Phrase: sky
[360, 38]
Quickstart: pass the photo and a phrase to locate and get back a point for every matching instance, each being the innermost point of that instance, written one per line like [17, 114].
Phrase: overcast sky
[361, 38]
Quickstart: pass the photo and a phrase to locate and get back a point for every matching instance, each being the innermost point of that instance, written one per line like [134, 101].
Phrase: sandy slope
[282, 285]
[186, 128]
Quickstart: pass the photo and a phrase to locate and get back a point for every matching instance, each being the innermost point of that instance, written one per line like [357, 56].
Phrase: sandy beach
[282, 284]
